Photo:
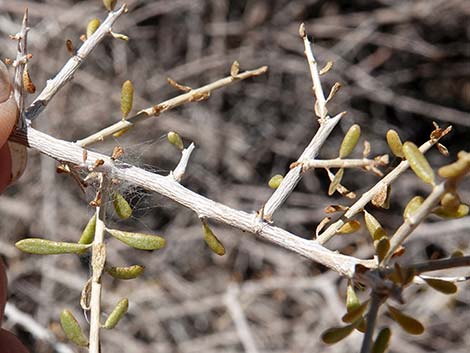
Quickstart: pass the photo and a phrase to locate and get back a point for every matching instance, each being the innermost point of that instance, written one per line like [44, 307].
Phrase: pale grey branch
[180, 169]
[292, 178]
[203, 207]
[238, 316]
[415, 219]
[327, 124]
[71, 66]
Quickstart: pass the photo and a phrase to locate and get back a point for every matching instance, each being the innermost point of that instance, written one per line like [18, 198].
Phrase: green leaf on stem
[72, 329]
[88, 233]
[48, 247]
[409, 324]
[116, 315]
[138, 240]
[129, 272]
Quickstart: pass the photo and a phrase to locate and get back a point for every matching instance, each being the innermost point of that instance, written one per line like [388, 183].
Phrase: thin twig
[371, 318]
[203, 207]
[327, 124]
[292, 178]
[20, 62]
[191, 96]
[415, 219]
[442, 264]
[239, 318]
[98, 260]
[340, 163]
[178, 172]
[314, 72]
[66, 73]
[359, 205]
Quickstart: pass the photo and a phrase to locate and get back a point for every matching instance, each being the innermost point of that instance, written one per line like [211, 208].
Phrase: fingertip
[8, 117]
[5, 86]
[9, 343]
[8, 106]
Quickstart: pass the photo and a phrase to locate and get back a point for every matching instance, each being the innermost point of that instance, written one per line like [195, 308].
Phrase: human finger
[9, 343]
[8, 107]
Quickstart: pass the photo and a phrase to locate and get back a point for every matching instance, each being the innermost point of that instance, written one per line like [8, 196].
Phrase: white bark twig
[20, 62]
[292, 178]
[239, 318]
[178, 172]
[327, 124]
[415, 219]
[194, 95]
[98, 259]
[71, 66]
[314, 72]
[339, 163]
[203, 207]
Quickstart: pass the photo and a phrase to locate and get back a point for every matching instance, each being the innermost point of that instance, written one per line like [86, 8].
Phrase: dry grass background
[403, 64]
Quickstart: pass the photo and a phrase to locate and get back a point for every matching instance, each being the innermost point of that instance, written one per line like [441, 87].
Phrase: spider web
[141, 201]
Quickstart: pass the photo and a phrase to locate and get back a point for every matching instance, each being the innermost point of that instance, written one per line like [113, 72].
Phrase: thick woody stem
[294, 175]
[66, 73]
[203, 207]
[191, 96]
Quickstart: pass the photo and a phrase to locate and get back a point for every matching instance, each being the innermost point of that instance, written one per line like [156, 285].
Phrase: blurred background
[402, 64]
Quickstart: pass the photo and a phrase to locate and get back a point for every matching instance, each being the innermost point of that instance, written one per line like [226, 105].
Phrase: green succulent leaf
[48, 247]
[350, 141]
[382, 341]
[88, 233]
[138, 240]
[275, 181]
[116, 315]
[336, 334]
[128, 272]
[72, 329]
[409, 324]
[212, 241]
[121, 206]
[441, 285]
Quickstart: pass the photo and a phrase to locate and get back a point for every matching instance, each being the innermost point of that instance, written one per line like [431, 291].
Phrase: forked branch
[203, 207]
[327, 125]
[359, 205]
